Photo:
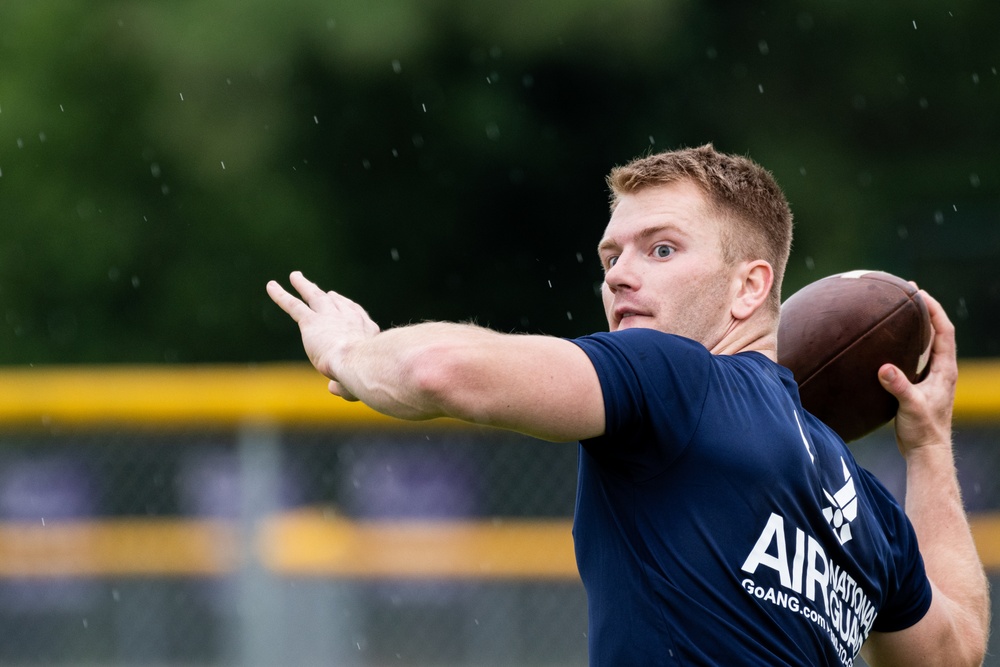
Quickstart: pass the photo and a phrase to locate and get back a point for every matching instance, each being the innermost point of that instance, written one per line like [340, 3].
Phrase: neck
[749, 336]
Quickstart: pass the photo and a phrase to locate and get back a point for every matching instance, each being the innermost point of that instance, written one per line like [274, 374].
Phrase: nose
[622, 275]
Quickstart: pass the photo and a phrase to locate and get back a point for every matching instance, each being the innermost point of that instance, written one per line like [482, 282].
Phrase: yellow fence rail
[183, 396]
[308, 542]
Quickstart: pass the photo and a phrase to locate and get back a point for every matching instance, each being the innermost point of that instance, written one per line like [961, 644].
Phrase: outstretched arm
[539, 385]
[956, 628]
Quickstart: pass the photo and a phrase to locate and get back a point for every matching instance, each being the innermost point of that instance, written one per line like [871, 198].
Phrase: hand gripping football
[834, 335]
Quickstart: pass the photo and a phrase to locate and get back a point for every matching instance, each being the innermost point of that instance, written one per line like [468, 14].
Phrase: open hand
[329, 322]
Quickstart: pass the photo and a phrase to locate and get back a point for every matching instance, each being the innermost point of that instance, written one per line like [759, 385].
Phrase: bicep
[543, 386]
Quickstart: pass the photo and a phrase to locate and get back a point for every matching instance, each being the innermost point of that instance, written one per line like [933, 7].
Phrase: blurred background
[171, 492]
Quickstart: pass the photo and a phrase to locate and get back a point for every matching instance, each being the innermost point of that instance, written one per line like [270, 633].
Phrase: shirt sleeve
[654, 387]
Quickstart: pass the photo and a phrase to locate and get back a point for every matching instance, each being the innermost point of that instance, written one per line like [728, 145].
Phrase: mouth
[624, 316]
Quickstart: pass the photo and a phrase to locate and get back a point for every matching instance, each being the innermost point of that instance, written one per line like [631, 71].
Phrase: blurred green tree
[445, 159]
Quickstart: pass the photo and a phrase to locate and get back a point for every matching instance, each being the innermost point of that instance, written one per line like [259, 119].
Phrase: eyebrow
[607, 244]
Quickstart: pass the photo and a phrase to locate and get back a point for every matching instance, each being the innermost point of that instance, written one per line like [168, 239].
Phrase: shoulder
[642, 345]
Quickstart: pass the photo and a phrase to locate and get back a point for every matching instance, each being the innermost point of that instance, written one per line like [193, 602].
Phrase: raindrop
[939, 217]
[20, 142]
[366, 164]
[418, 141]
[135, 282]
[85, 624]
[914, 24]
[182, 96]
[496, 52]
[550, 284]
[975, 78]
[651, 140]
[802, 171]
[154, 169]
[922, 102]
[902, 231]
[397, 67]
[760, 87]
[974, 180]
[316, 119]
[61, 108]
[569, 316]
[43, 520]
[394, 253]
[528, 81]
[223, 165]
[424, 107]
[395, 153]
[579, 257]
[116, 595]
[955, 207]
[331, 24]
[113, 274]
[963, 310]
[711, 53]
[1, 173]
[762, 46]
[810, 263]
[492, 131]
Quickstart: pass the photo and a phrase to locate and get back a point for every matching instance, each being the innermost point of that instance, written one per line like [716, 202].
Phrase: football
[834, 335]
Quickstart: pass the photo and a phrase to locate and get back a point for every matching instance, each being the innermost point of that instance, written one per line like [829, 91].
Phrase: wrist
[931, 454]
[929, 436]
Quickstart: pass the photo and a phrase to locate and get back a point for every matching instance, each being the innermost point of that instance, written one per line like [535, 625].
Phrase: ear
[755, 283]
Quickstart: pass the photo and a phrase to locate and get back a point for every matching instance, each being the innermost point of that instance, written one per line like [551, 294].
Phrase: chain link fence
[57, 606]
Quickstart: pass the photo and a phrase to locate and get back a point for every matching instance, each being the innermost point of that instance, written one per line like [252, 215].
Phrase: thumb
[894, 380]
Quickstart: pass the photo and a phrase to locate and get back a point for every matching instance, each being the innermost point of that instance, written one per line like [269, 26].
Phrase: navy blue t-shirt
[717, 523]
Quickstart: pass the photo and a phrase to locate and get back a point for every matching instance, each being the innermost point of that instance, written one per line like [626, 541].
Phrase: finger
[286, 301]
[310, 291]
[943, 346]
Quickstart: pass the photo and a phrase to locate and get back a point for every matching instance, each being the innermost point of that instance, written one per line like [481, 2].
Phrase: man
[717, 523]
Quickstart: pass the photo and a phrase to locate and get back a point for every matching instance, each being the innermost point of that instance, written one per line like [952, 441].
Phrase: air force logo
[843, 507]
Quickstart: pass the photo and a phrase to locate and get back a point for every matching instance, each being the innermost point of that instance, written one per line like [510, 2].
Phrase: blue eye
[612, 261]
[663, 251]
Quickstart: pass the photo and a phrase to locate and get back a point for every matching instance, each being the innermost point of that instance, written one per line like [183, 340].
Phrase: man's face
[662, 258]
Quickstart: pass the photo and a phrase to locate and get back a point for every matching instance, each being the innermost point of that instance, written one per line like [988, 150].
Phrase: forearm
[934, 506]
[542, 386]
[394, 371]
